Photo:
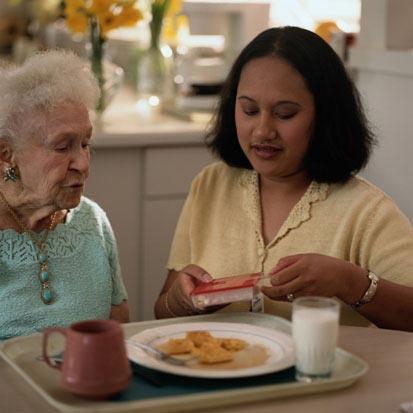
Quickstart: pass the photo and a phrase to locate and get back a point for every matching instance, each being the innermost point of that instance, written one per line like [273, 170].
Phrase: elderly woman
[58, 255]
[286, 200]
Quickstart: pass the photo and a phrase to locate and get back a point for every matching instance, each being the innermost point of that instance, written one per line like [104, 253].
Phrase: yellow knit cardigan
[220, 230]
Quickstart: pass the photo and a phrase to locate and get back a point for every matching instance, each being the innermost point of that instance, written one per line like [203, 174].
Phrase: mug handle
[46, 334]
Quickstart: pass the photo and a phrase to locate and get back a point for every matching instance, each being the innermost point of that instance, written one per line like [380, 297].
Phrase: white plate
[278, 345]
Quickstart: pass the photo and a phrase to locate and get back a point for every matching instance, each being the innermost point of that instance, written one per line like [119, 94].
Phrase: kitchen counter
[122, 126]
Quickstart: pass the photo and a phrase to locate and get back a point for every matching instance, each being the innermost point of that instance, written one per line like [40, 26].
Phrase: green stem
[158, 9]
[156, 28]
[97, 53]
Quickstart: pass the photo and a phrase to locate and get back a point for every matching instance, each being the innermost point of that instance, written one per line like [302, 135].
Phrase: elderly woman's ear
[8, 167]
[6, 152]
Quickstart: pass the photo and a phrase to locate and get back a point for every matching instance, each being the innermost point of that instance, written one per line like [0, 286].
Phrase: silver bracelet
[370, 292]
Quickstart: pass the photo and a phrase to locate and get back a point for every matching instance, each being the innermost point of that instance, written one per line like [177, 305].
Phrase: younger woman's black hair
[342, 140]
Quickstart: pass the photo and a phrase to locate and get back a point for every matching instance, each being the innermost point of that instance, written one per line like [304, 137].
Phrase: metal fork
[160, 355]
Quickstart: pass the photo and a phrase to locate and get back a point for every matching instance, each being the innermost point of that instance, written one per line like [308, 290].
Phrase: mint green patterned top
[84, 274]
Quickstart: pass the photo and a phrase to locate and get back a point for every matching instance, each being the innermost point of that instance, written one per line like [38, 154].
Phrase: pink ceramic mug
[95, 364]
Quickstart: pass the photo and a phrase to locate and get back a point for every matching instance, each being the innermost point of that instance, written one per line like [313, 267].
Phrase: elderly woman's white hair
[43, 81]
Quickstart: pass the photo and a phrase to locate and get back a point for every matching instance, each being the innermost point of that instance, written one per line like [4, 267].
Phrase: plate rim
[286, 344]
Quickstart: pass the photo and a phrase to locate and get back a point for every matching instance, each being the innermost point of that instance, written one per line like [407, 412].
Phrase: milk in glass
[315, 331]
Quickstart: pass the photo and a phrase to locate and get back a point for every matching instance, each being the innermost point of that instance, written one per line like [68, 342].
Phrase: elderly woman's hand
[178, 297]
[316, 274]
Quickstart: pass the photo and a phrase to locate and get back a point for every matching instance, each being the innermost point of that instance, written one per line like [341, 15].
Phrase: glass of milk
[315, 331]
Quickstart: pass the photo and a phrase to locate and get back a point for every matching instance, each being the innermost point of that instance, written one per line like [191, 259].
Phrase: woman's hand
[316, 274]
[178, 296]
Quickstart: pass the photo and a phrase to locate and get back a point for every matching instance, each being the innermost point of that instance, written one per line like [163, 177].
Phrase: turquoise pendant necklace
[46, 294]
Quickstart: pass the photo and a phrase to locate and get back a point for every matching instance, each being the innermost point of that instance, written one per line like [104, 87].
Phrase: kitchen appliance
[218, 31]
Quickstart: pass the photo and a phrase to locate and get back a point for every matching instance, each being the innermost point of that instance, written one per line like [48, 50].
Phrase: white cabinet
[160, 217]
[142, 189]
[140, 173]
[168, 173]
[386, 24]
[115, 184]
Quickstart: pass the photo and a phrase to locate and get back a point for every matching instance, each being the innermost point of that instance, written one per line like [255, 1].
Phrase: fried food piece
[233, 344]
[199, 337]
[211, 352]
[178, 346]
[205, 347]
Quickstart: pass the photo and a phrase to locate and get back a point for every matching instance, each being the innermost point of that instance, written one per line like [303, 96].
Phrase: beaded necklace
[43, 275]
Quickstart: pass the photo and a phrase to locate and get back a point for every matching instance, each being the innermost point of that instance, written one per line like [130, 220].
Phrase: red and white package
[226, 290]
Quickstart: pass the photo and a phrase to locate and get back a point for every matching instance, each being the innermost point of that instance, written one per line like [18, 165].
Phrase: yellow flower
[129, 16]
[109, 14]
[74, 7]
[74, 4]
[101, 6]
[174, 7]
[77, 22]
[169, 30]
[172, 26]
[107, 22]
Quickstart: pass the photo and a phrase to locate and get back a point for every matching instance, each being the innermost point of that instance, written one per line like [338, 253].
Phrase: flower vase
[108, 75]
[154, 75]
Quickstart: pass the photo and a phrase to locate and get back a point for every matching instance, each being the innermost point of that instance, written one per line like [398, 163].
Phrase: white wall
[308, 13]
[383, 60]
[385, 80]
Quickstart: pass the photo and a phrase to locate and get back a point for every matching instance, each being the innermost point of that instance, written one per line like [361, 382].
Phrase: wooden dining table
[387, 384]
